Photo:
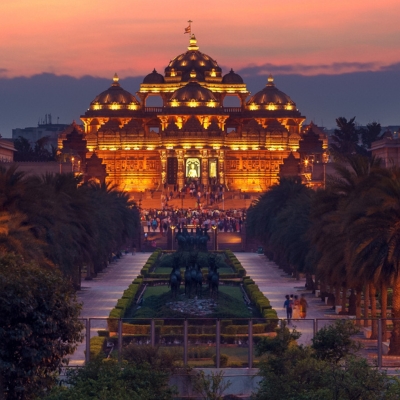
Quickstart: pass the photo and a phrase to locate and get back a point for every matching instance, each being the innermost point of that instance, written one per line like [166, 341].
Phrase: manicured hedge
[96, 346]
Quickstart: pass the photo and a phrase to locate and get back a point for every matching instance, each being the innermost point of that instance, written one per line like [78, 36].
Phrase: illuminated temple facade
[192, 135]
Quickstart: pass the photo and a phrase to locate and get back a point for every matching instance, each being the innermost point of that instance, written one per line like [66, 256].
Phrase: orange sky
[131, 37]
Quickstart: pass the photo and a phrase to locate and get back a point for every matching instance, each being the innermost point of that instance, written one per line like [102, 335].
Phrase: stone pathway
[275, 284]
[100, 295]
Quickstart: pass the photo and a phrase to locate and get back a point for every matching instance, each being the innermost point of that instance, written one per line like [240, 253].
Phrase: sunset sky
[99, 37]
[334, 58]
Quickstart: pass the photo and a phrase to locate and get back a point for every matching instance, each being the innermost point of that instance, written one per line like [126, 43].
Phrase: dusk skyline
[307, 39]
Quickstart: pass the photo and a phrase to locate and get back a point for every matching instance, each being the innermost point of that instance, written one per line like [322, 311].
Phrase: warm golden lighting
[150, 148]
[193, 103]
[113, 148]
[271, 107]
[127, 148]
[253, 107]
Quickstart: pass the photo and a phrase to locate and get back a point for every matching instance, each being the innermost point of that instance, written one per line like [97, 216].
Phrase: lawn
[230, 304]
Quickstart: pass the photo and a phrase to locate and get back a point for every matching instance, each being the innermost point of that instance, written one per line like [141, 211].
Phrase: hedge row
[235, 263]
[178, 339]
[150, 263]
[129, 329]
[123, 304]
[96, 346]
[258, 298]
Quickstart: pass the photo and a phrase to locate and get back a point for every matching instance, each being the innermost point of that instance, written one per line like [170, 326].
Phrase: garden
[196, 325]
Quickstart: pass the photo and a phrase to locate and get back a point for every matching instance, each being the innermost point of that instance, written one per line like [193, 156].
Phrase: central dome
[193, 59]
[193, 92]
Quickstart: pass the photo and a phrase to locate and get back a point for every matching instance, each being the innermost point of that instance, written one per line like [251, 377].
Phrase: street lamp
[214, 227]
[172, 226]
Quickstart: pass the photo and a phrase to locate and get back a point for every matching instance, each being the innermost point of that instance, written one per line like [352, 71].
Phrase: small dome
[114, 95]
[232, 78]
[193, 91]
[153, 78]
[270, 95]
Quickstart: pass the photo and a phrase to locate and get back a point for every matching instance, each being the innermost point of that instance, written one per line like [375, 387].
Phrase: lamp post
[172, 226]
[214, 227]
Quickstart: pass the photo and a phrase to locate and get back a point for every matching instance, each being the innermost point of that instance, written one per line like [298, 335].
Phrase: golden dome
[232, 78]
[271, 98]
[114, 95]
[153, 78]
[195, 93]
[195, 60]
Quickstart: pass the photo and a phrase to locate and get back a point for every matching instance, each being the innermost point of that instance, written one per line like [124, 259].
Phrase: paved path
[275, 284]
[100, 295]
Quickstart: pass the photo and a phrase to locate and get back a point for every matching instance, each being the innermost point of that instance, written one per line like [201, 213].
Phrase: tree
[370, 133]
[345, 139]
[374, 241]
[39, 327]
[295, 372]
[107, 380]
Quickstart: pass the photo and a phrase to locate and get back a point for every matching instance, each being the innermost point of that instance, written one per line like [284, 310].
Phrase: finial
[193, 43]
[154, 71]
[115, 79]
[270, 80]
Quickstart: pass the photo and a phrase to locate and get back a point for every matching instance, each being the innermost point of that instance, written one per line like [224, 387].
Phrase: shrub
[96, 346]
[223, 360]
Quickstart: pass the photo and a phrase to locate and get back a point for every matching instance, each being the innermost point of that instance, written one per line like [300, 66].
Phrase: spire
[270, 80]
[115, 80]
[193, 43]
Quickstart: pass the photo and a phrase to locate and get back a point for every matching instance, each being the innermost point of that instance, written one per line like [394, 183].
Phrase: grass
[230, 304]
[167, 270]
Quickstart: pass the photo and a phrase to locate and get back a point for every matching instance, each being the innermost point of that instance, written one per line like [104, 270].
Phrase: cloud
[319, 69]
[3, 70]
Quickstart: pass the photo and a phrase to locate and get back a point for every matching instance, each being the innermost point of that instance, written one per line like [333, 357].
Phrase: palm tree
[374, 241]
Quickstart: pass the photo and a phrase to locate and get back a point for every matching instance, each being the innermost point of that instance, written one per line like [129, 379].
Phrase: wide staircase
[233, 200]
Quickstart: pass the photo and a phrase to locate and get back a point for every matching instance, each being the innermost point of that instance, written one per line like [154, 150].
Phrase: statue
[213, 277]
[192, 173]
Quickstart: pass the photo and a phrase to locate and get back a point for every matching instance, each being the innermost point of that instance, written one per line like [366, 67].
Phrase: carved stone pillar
[163, 157]
[181, 168]
[204, 167]
[221, 167]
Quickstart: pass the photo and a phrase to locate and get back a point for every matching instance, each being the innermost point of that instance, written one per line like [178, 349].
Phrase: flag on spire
[188, 29]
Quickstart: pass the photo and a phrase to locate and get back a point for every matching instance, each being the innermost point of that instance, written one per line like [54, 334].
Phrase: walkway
[100, 295]
[275, 284]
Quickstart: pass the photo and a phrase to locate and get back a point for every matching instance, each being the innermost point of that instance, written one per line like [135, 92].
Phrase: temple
[193, 135]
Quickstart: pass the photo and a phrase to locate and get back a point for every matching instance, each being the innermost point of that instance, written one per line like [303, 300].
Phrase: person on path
[303, 306]
[296, 307]
[288, 304]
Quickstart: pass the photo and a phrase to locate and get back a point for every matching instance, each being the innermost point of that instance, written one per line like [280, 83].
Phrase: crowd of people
[224, 221]
[210, 194]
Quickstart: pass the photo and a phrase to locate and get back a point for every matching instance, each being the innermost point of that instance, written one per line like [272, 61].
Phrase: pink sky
[131, 37]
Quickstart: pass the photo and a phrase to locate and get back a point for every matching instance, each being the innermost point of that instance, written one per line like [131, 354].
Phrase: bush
[96, 346]
[223, 360]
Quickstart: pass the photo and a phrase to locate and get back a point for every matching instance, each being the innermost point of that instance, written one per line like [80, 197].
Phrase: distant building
[46, 128]
[6, 150]
[387, 148]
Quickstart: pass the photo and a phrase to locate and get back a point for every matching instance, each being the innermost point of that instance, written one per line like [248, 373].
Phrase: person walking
[288, 304]
[303, 306]
[296, 307]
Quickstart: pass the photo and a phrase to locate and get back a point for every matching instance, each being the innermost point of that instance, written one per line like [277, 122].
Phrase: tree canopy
[39, 326]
